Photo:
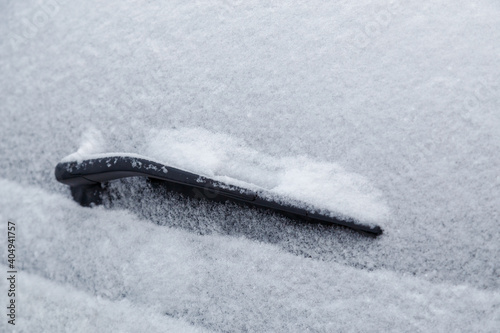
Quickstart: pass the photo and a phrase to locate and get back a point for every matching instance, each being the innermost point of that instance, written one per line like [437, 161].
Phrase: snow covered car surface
[384, 110]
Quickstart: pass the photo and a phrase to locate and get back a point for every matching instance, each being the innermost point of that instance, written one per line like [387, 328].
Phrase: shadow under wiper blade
[85, 178]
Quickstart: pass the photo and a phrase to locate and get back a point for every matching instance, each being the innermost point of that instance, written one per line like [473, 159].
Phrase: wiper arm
[85, 178]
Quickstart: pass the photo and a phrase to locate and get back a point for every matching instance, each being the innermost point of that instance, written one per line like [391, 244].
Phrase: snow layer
[45, 305]
[319, 185]
[399, 98]
[222, 283]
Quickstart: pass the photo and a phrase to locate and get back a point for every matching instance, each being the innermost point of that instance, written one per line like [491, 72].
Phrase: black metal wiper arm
[85, 178]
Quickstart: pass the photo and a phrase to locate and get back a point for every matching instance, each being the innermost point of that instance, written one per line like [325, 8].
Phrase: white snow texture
[386, 111]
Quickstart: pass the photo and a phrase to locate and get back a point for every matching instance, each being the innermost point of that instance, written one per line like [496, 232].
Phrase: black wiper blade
[85, 178]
